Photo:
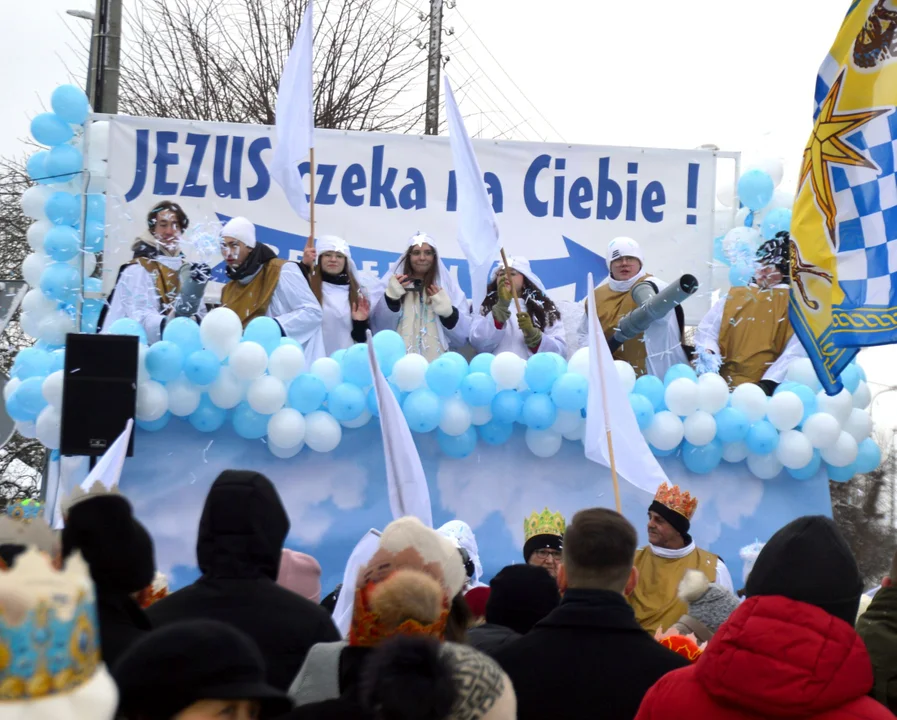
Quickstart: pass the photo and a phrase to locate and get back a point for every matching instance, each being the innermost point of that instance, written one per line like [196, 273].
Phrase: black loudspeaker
[99, 392]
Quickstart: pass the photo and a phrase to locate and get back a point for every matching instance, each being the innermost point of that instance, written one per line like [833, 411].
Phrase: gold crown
[544, 523]
[79, 495]
[36, 533]
[676, 500]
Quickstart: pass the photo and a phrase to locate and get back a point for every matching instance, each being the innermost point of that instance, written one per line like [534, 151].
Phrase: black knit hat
[177, 665]
[776, 253]
[808, 560]
[520, 596]
[680, 523]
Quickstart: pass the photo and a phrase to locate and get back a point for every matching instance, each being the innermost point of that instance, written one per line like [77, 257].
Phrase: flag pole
[504, 260]
[310, 243]
[610, 439]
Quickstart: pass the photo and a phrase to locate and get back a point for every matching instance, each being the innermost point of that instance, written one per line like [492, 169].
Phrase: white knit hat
[239, 228]
[332, 243]
[623, 247]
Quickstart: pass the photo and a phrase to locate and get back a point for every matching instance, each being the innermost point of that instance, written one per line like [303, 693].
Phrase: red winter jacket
[773, 658]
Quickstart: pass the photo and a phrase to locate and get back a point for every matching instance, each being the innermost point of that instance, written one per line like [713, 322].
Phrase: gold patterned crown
[25, 510]
[544, 523]
[676, 500]
[48, 628]
[36, 533]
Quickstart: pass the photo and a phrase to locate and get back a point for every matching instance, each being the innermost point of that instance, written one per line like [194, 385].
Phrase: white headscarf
[460, 533]
[521, 265]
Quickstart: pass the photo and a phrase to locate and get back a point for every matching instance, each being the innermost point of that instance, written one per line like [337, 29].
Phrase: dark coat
[241, 535]
[489, 638]
[122, 623]
[878, 628]
[589, 658]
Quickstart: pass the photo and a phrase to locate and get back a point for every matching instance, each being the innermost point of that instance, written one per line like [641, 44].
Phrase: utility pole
[431, 117]
[105, 50]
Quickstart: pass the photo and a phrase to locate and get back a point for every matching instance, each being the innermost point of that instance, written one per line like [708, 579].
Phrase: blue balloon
[643, 409]
[64, 163]
[777, 220]
[207, 417]
[755, 189]
[859, 369]
[808, 398]
[31, 362]
[680, 370]
[482, 363]
[478, 389]
[265, 331]
[389, 348]
[62, 243]
[94, 235]
[154, 425]
[458, 446]
[30, 396]
[459, 360]
[539, 412]
[740, 274]
[651, 387]
[346, 401]
[850, 378]
[338, 355]
[841, 474]
[372, 399]
[57, 360]
[50, 129]
[719, 254]
[663, 453]
[495, 432]
[808, 471]
[507, 406]
[422, 409]
[290, 341]
[36, 167]
[164, 361]
[60, 281]
[184, 333]
[444, 376]
[126, 326]
[570, 392]
[96, 208]
[541, 372]
[702, 459]
[356, 365]
[248, 423]
[787, 386]
[307, 393]
[762, 438]
[70, 103]
[63, 208]
[732, 425]
[17, 411]
[201, 366]
[868, 456]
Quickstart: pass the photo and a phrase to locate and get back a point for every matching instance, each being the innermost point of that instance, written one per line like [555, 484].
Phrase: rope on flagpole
[504, 260]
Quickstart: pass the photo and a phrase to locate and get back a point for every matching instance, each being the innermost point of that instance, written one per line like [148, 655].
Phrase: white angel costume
[459, 532]
[488, 335]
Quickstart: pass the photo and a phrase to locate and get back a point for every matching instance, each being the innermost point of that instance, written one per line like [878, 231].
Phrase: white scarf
[625, 285]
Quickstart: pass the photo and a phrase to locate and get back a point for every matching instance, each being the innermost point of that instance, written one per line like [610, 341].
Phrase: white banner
[558, 205]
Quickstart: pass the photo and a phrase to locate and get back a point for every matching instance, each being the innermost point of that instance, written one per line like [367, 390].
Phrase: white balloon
[507, 370]
[48, 427]
[248, 360]
[681, 396]
[727, 195]
[713, 393]
[862, 397]
[794, 450]
[322, 432]
[10, 388]
[751, 400]
[328, 371]
[859, 424]
[183, 397]
[33, 201]
[142, 373]
[38, 304]
[626, 374]
[785, 411]
[822, 430]
[27, 429]
[286, 428]
[227, 390]
[666, 430]
[579, 362]
[33, 267]
[567, 422]
[480, 415]
[266, 395]
[741, 218]
[843, 452]
[53, 327]
[285, 453]
[90, 263]
[781, 199]
[735, 452]
[36, 234]
[774, 167]
[358, 422]
[801, 371]
[838, 405]
[152, 401]
[30, 324]
[220, 331]
[741, 242]
[765, 467]
[700, 428]
[577, 434]
[409, 372]
[286, 362]
[455, 418]
[543, 443]
[52, 388]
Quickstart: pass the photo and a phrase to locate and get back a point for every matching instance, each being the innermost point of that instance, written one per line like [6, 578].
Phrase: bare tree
[222, 59]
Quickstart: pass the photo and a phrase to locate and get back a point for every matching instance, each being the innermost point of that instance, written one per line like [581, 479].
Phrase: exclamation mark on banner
[693, 170]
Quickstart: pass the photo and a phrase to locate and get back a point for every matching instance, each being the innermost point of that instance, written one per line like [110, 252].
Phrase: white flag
[295, 117]
[634, 460]
[477, 230]
[408, 491]
[108, 468]
[345, 603]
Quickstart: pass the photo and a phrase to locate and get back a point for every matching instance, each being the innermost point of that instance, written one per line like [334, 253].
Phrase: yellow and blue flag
[844, 225]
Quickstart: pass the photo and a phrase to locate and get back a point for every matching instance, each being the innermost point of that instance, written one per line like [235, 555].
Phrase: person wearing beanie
[669, 554]
[238, 549]
[543, 540]
[521, 595]
[260, 284]
[747, 336]
[877, 625]
[660, 346]
[789, 650]
[709, 606]
[300, 573]
[198, 669]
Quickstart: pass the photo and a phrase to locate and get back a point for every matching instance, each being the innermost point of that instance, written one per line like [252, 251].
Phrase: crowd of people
[325, 304]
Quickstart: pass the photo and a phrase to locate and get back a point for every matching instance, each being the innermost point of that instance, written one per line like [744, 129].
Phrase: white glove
[394, 289]
[442, 304]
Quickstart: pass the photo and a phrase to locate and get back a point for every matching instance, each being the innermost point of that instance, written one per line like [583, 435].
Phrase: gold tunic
[655, 598]
[166, 280]
[612, 307]
[753, 332]
[251, 300]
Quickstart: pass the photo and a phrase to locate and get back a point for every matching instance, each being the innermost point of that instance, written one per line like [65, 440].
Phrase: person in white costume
[460, 533]
[346, 299]
[538, 328]
[660, 347]
[148, 285]
[423, 302]
[264, 285]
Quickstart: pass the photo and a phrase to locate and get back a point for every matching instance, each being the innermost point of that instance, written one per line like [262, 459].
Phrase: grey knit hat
[707, 602]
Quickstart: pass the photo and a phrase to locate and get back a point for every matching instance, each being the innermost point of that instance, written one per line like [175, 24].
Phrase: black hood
[242, 528]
